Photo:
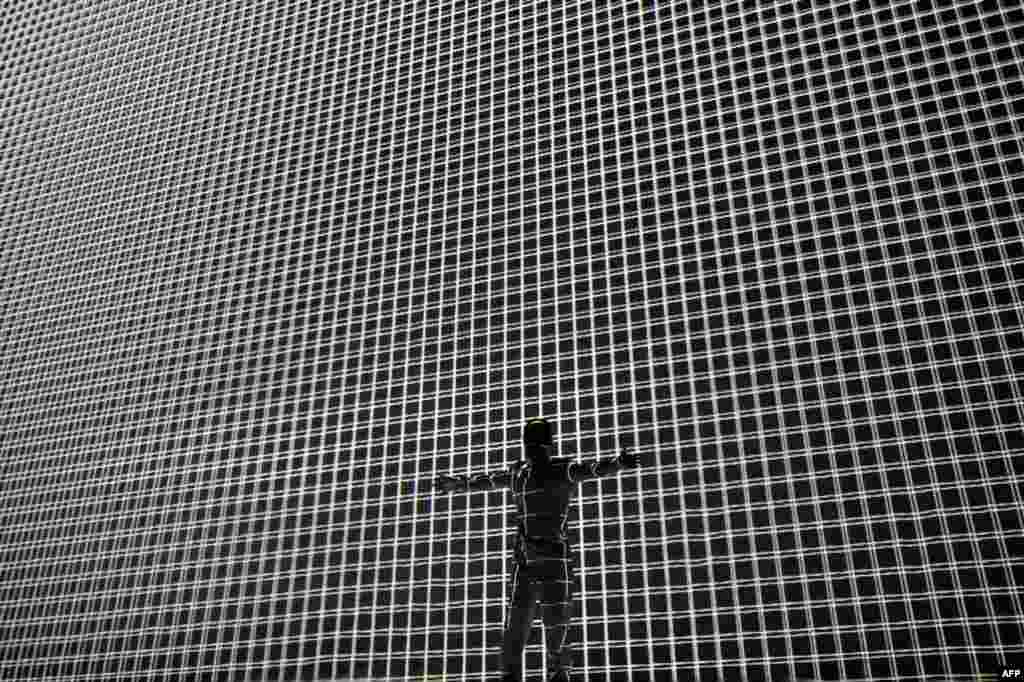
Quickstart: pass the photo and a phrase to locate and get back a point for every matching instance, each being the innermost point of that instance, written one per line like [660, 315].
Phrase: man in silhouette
[544, 486]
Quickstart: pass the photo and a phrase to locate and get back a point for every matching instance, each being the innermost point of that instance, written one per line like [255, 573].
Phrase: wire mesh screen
[271, 268]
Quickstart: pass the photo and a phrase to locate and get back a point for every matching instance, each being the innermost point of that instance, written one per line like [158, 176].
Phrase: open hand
[446, 484]
[630, 460]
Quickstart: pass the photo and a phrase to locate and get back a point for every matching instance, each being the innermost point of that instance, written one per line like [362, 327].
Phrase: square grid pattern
[269, 268]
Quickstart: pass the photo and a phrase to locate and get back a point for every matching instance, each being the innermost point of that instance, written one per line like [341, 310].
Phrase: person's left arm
[467, 483]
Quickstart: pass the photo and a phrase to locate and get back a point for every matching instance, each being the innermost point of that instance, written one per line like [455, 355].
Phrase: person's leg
[518, 624]
[556, 610]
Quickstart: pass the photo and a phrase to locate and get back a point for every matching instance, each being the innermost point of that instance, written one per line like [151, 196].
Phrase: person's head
[538, 440]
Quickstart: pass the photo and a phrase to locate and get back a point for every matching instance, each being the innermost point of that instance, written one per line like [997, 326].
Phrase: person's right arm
[463, 484]
[586, 471]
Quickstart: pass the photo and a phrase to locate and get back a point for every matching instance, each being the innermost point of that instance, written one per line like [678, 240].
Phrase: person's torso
[543, 500]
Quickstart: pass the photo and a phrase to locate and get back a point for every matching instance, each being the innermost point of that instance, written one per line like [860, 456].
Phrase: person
[542, 572]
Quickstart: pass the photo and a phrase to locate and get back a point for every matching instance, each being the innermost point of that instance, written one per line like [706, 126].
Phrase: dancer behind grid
[543, 571]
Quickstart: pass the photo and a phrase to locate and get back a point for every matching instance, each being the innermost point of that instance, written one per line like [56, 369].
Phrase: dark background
[267, 267]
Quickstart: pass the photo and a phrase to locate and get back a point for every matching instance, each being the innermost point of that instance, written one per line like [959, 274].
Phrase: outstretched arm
[463, 484]
[605, 466]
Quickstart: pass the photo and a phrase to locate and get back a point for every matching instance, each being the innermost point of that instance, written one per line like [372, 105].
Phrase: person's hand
[630, 460]
[446, 484]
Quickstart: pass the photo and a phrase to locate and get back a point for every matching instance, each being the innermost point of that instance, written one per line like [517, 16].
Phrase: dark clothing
[543, 495]
[543, 569]
[553, 591]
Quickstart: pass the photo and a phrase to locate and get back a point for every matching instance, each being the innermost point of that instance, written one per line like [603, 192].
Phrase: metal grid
[268, 268]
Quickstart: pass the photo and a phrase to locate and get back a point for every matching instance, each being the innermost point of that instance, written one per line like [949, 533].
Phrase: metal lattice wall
[267, 264]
